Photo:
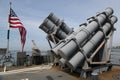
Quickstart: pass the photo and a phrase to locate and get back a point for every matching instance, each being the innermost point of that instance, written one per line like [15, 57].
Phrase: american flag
[14, 22]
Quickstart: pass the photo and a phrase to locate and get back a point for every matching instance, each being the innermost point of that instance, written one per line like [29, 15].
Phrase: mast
[8, 33]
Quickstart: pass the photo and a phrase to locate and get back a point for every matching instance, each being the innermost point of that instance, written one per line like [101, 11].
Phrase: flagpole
[8, 33]
[14, 22]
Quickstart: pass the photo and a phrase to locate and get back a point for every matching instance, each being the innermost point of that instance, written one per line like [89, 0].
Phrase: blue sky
[33, 12]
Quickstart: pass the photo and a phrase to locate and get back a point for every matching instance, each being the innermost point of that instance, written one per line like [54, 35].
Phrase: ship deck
[47, 72]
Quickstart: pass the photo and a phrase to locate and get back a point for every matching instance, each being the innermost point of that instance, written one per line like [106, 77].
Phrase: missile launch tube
[54, 19]
[49, 27]
[60, 23]
[70, 48]
[90, 45]
[60, 44]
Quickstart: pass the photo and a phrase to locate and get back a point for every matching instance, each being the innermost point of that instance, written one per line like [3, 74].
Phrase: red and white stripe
[14, 22]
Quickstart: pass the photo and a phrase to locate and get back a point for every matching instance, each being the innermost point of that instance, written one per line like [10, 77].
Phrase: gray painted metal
[61, 35]
[115, 53]
[54, 19]
[94, 76]
[115, 50]
[55, 49]
[35, 50]
[62, 43]
[54, 25]
[115, 56]
[71, 47]
[62, 62]
[90, 45]
[74, 46]
[60, 23]
[49, 27]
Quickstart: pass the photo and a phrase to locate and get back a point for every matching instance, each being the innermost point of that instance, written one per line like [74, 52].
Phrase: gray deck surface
[37, 75]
